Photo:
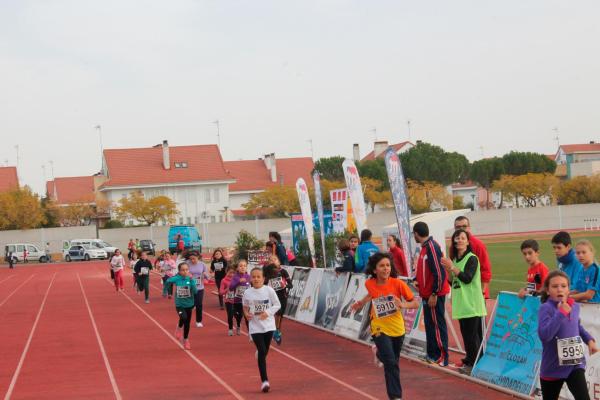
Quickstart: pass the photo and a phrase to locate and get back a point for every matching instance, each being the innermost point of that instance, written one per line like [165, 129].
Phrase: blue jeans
[388, 352]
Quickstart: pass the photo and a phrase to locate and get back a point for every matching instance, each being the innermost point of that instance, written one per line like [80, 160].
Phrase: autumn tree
[326, 187]
[20, 209]
[148, 211]
[579, 190]
[533, 188]
[374, 193]
[76, 214]
[423, 196]
[505, 185]
[485, 172]
[278, 201]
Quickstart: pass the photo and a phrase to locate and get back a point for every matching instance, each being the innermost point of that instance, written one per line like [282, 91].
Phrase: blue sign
[299, 231]
[513, 351]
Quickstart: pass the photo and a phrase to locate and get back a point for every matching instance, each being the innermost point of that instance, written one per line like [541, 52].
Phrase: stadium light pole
[216, 122]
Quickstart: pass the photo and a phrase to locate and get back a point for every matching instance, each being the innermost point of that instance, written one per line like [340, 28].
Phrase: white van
[18, 252]
[92, 243]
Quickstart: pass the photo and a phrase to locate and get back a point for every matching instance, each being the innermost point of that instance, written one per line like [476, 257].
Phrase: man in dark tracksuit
[433, 287]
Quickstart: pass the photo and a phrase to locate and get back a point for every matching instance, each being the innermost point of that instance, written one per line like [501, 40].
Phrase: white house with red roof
[379, 148]
[192, 176]
[578, 159]
[69, 190]
[9, 178]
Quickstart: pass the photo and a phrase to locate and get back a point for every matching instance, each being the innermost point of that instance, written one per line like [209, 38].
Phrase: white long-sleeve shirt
[259, 300]
[117, 263]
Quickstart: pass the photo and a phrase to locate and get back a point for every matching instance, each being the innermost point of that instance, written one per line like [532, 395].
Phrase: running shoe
[265, 387]
[237, 331]
[147, 301]
[458, 364]
[230, 332]
[170, 296]
[376, 360]
[466, 370]
[443, 362]
[430, 360]
[178, 332]
[277, 337]
[186, 344]
[199, 325]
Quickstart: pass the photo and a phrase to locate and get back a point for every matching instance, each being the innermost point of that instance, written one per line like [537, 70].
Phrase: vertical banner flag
[356, 194]
[319, 201]
[302, 190]
[399, 195]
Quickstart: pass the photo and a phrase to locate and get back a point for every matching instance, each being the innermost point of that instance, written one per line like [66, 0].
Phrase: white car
[18, 252]
[91, 243]
[84, 252]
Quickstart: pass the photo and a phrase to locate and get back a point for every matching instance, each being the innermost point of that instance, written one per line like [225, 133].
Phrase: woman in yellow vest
[468, 304]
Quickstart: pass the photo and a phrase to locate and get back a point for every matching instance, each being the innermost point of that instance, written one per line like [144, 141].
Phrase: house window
[196, 220]
[213, 219]
[182, 164]
[207, 195]
[180, 220]
[189, 220]
[216, 195]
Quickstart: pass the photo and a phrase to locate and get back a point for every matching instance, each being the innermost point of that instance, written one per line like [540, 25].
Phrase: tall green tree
[374, 169]
[521, 163]
[330, 168]
[485, 172]
[429, 163]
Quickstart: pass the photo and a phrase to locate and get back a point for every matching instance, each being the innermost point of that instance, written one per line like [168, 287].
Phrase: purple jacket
[552, 325]
[235, 282]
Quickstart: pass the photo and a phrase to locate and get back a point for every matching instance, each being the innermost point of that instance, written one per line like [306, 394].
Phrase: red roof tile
[75, 189]
[8, 178]
[396, 147]
[144, 166]
[580, 148]
[254, 175]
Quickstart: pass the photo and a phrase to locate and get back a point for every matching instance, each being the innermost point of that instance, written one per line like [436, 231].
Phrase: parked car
[18, 249]
[84, 252]
[92, 243]
[189, 234]
[148, 246]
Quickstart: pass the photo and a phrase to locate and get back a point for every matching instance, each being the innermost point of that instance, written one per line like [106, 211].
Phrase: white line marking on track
[111, 376]
[189, 353]
[4, 280]
[11, 387]
[17, 288]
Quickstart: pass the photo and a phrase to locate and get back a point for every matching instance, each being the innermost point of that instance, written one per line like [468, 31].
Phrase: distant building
[9, 179]
[578, 160]
[379, 148]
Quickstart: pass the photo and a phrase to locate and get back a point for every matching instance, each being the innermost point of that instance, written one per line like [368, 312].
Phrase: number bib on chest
[530, 287]
[259, 306]
[276, 284]
[198, 281]
[218, 266]
[384, 306]
[183, 292]
[144, 271]
[230, 295]
[239, 291]
[570, 351]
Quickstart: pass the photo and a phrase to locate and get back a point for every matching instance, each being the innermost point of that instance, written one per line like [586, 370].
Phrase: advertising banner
[339, 209]
[307, 308]
[348, 323]
[513, 351]
[399, 195]
[355, 192]
[304, 199]
[299, 279]
[331, 297]
[259, 257]
[319, 202]
[299, 230]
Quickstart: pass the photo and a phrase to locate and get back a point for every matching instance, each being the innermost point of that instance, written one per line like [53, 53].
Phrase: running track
[67, 334]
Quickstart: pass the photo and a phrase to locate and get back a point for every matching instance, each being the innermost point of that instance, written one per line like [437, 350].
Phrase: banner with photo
[331, 296]
[355, 192]
[351, 324]
[304, 199]
[341, 211]
[299, 279]
[400, 197]
[512, 354]
[299, 230]
[307, 308]
[319, 202]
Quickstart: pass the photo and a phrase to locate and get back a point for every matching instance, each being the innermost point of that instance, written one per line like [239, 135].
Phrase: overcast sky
[496, 74]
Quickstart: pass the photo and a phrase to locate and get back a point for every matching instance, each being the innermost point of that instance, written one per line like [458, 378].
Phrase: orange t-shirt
[385, 317]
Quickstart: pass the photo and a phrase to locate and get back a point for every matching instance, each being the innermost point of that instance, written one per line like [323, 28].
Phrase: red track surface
[54, 347]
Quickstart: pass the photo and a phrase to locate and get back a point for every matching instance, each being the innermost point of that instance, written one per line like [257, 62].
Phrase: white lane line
[189, 353]
[111, 376]
[4, 280]
[11, 387]
[16, 289]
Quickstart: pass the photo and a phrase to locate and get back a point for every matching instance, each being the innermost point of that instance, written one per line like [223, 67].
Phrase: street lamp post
[99, 129]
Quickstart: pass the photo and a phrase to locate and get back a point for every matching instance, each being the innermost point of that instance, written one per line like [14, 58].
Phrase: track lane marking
[4, 280]
[13, 381]
[17, 288]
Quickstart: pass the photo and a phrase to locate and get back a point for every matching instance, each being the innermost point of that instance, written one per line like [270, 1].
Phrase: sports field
[508, 267]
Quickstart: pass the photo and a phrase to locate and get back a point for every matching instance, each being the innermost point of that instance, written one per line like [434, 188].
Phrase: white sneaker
[199, 325]
[230, 333]
[265, 387]
[237, 331]
[376, 360]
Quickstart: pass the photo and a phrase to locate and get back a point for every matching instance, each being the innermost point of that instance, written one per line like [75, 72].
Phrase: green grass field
[508, 266]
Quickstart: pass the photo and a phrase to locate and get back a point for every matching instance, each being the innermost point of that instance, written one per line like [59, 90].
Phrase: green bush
[113, 223]
[246, 241]
[332, 253]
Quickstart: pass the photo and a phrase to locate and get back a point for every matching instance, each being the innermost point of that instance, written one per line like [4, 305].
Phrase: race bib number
[144, 271]
[218, 266]
[260, 306]
[184, 292]
[570, 351]
[276, 284]
[230, 295]
[198, 281]
[384, 306]
[239, 291]
[530, 287]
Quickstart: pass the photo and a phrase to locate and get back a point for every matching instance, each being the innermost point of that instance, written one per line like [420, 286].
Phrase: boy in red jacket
[433, 287]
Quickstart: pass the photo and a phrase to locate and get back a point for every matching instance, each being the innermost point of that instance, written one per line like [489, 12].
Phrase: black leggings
[470, 328]
[143, 282]
[575, 382]
[185, 317]
[230, 314]
[238, 312]
[218, 278]
[262, 341]
[198, 300]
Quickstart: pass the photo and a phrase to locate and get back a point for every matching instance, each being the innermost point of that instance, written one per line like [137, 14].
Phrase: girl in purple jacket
[239, 283]
[562, 337]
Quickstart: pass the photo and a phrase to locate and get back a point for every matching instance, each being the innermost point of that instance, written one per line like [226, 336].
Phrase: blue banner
[319, 201]
[299, 230]
[513, 351]
[399, 195]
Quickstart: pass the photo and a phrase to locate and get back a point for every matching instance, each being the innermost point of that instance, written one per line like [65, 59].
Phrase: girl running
[260, 305]
[279, 280]
[239, 283]
[185, 289]
[167, 270]
[132, 262]
[142, 269]
[117, 263]
[218, 266]
[198, 271]
[229, 295]
[562, 337]
[389, 296]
